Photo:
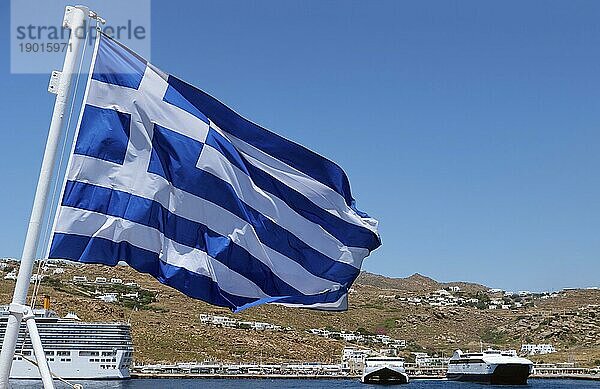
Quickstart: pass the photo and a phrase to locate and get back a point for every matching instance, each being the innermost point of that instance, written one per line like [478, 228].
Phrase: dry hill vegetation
[166, 326]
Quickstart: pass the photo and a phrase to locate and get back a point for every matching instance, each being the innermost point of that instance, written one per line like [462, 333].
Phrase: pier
[244, 376]
[565, 371]
[326, 371]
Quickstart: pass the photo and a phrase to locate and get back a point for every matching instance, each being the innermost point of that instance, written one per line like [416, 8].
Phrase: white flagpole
[75, 19]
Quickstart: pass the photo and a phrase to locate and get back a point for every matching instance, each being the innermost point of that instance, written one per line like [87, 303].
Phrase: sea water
[301, 384]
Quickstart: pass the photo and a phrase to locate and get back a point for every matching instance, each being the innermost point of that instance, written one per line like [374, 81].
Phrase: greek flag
[173, 182]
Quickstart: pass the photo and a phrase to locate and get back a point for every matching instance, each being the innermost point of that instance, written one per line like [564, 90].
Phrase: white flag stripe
[318, 193]
[92, 224]
[101, 173]
[133, 101]
[153, 85]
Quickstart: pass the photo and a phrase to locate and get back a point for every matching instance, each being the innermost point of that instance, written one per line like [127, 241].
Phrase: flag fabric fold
[173, 182]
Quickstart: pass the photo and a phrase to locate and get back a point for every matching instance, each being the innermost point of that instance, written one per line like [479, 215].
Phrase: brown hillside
[169, 330]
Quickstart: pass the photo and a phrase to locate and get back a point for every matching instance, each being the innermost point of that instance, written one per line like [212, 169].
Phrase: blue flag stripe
[175, 98]
[112, 56]
[108, 135]
[329, 297]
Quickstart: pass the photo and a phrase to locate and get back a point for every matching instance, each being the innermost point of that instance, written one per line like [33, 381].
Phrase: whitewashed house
[538, 349]
[108, 298]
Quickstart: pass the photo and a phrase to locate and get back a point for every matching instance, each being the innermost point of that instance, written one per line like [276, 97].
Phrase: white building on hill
[355, 354]
[108, 298]
[538, 349]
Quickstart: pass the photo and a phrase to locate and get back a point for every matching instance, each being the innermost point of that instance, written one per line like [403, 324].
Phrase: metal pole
[38, 350]
[75, 19]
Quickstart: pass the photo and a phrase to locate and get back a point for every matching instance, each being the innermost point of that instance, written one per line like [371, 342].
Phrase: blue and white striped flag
[176, 184]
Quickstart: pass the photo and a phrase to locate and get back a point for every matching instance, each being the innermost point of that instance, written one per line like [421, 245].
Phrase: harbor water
[302, 384]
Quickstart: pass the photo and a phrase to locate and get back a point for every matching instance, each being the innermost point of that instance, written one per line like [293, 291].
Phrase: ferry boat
[490, 366]
[384, 370]
[74, 349]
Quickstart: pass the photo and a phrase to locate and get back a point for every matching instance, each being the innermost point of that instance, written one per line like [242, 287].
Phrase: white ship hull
[74, 349]
[384, 371]
[74, 367]
[489, 367]
[385, 376]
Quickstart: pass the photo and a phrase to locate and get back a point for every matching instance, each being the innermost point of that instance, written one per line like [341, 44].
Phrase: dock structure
[242, 376]
[220, 370]
[284, 371]
[425, 372]
[215, 370]
[565, 371]
[585, 377]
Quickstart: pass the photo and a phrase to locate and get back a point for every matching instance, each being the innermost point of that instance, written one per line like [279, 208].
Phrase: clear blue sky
[470, 129]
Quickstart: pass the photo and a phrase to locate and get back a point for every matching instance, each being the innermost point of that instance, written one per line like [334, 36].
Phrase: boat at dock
[74, 349]
[490, 366]
[384, 371]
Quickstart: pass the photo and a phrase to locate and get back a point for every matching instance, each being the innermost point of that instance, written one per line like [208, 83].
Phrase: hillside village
[453, 296]
[416, 317]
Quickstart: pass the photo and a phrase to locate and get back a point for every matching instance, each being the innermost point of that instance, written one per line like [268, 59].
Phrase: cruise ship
[74, 349]
[384, 370]
[490, 366]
